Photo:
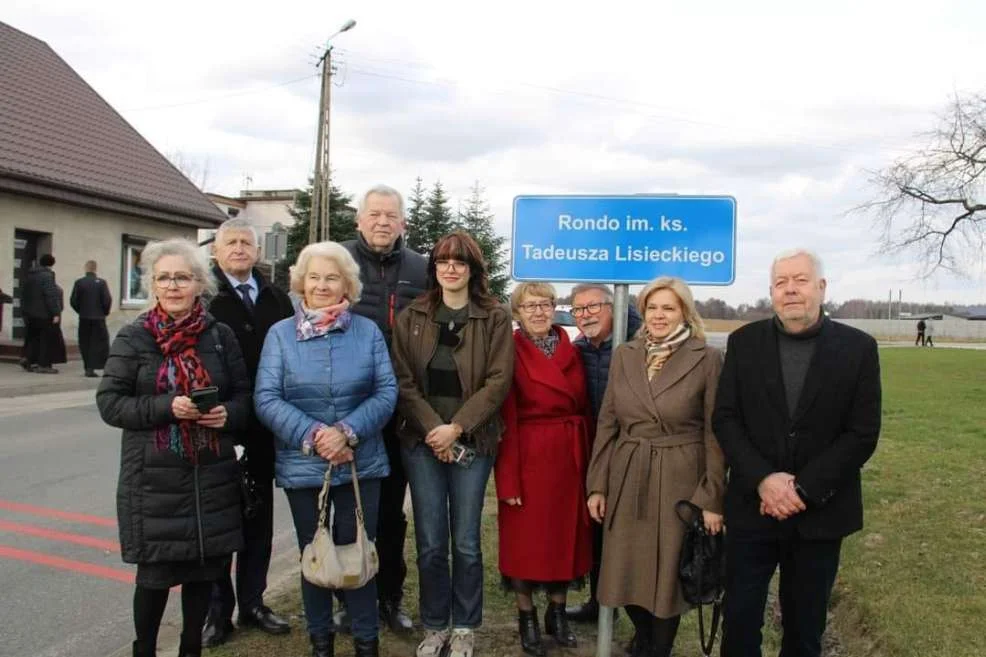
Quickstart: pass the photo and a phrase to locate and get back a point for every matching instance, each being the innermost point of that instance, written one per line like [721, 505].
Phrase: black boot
[530, 633]
[366, 648]
[142, 650]
[587, 612]
[186, 651]
[556, 624]
[665, 630]
[323, 645]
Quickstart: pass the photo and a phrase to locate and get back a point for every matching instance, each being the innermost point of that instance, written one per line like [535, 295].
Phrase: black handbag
[701, 569]
[250, 499]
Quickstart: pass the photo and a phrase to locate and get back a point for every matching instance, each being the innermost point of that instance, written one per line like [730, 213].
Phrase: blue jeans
[362, 602]
[444, 495]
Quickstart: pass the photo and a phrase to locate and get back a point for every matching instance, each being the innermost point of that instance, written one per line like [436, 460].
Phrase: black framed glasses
[590, 308]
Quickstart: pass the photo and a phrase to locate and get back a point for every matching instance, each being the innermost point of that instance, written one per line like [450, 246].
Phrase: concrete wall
[78, 235]
[906, 329]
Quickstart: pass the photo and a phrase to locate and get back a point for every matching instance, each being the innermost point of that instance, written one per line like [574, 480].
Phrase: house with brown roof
[79, 182]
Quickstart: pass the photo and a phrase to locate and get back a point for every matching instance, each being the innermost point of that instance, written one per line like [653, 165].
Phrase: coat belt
[643, 465]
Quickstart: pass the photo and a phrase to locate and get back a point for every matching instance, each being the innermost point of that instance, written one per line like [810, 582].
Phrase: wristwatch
[351, 438]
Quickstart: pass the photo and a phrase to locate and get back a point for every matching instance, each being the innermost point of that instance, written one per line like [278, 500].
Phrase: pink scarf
[316, 323]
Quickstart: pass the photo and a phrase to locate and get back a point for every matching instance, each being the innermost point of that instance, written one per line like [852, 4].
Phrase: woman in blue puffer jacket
[325, 388]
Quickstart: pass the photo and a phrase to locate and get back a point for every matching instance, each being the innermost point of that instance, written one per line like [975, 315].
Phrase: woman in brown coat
[654, 446]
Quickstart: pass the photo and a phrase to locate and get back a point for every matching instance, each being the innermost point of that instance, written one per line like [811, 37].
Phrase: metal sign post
[623, 240]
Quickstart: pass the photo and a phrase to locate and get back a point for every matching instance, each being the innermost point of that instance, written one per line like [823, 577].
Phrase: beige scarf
[660, 350]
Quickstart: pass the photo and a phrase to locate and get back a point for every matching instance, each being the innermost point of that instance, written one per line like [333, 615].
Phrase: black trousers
[807, 573]
[252, 562]
[94, 343]
[392, 523]
[37, 343]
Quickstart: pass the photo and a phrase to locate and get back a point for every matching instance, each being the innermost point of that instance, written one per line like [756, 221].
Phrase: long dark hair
[459, 245]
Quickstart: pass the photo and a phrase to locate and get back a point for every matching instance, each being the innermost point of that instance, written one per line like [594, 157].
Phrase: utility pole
[318, 226]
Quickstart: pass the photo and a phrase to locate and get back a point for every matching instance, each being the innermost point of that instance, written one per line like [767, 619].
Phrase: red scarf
[181, 372]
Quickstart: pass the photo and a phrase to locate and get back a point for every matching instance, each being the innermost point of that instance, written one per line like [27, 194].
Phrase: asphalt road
[66, 593]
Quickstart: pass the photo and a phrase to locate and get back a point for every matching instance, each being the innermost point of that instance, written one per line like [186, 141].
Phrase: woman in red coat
[540, 470]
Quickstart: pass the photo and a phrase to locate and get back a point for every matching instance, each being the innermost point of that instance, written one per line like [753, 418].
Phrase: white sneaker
[433, 644]
[463, 641]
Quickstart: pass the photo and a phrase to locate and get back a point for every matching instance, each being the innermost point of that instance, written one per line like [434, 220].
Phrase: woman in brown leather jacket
[453, 355]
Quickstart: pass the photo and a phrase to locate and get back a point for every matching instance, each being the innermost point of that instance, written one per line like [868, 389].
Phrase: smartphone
[462, 455]
[205, 399]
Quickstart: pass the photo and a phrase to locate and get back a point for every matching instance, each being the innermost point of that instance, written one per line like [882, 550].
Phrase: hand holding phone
[205, 399]
[462, 454]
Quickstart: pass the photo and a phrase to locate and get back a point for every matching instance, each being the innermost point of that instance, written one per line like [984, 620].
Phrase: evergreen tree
[342, 226]
[437, 220]
[415, 217]
[477, 220]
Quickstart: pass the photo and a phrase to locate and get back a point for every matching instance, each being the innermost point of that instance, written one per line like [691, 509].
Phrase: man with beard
[592, 308]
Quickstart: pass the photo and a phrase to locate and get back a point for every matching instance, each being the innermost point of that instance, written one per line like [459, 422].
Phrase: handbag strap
[323, 497]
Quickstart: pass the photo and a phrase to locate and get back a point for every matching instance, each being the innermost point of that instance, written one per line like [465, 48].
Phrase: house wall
[78, 234]
[947, 327]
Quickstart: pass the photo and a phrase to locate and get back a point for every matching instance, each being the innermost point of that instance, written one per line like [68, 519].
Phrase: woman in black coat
[178, 496]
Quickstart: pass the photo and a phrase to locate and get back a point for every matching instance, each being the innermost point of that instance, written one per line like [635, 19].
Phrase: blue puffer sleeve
[289, 424]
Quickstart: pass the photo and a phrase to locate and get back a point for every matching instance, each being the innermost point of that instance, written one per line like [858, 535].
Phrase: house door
[26, 244]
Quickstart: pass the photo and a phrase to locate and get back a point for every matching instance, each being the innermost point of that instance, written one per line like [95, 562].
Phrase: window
[133, 294]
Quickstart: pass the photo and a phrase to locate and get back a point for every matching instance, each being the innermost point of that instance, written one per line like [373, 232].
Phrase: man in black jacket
[392, 276]
[249, 305]
[592, 308]
[797, 415]
[41, 308]
[91, 299]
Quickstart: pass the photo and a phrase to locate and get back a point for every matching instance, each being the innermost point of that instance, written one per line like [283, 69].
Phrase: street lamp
[318, 228]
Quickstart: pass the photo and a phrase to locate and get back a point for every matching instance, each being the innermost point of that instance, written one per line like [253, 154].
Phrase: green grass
[912, 583]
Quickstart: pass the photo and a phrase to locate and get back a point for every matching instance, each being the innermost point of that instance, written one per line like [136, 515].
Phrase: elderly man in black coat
[91, 299]
[41, 308]
[249, 305]
[797, 415]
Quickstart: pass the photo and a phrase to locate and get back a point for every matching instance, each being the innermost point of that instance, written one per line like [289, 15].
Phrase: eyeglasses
[589, 308]
[532, 307]
[181, 281]
[451, 265]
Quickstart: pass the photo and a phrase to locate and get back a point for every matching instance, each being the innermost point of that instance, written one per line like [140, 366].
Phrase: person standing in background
[92, 301]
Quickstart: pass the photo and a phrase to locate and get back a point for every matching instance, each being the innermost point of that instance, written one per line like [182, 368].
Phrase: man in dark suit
[249, 305]
[91, 299]
[797, 415]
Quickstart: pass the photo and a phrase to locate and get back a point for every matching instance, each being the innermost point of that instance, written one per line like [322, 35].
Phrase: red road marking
[65, 537]
[55, 513]
[39, 558]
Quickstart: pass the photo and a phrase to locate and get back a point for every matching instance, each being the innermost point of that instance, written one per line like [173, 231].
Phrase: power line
[235, 94]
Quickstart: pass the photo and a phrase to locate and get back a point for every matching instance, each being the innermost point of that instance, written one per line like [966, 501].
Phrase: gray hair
[381, 190]
[194, 257]
[338, 254]
[787, 254]
[238, 223]
[588, 287]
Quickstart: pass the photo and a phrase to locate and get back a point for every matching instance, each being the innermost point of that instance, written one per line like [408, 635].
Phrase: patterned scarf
[546, 344]
[316, 323]
[659, 350]
[181, 372]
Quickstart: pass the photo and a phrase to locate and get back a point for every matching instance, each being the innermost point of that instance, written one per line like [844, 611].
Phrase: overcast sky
[781, 105]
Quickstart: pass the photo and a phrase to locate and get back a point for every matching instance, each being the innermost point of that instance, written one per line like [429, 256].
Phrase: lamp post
[318, 229]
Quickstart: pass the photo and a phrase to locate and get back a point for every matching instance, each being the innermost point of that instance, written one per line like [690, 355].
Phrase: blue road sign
[624, 239]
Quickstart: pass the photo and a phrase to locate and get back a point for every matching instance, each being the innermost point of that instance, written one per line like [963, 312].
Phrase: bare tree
[930, 203]
[197, 172]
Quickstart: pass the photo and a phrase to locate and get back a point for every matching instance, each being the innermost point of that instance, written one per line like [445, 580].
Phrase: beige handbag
[331, 566]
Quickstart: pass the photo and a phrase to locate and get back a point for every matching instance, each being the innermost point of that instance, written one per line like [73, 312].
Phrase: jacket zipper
[198, 515]
[392, 302]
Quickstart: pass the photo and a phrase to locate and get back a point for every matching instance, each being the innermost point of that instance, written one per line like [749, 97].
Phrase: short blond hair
[534, 289]
[683, 292]
[338, 254]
